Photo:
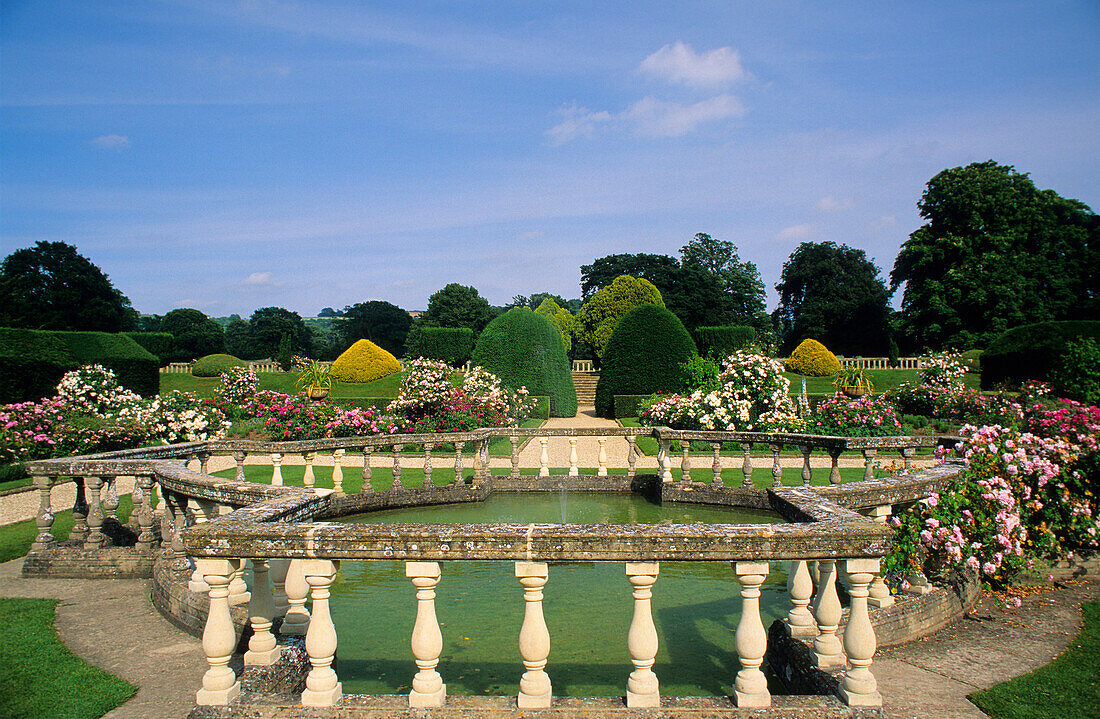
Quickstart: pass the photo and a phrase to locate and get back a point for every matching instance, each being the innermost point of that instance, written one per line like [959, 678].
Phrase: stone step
[585, 383]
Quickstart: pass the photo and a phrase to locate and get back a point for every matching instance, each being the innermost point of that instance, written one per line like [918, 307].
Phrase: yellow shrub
[811, 358]
[364, 362]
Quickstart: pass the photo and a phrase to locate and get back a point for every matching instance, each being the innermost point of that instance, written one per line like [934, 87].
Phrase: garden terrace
[209, 526]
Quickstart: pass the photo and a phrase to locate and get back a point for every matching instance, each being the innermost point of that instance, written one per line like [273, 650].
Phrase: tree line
[994, 252]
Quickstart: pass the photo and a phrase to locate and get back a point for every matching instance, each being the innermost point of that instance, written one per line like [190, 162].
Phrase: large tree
[194, 334]
[383, 323]
[603, 271]
[741, 280]
[995, 252]
[266, 328]
[599, 315]
[52, 287]
[458, 306]
[833, 294]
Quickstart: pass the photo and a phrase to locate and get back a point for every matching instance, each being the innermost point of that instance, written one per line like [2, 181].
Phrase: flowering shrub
[429, 402]
[292, 417]
[27, 429]
[236, 386]
[752, 397]
[946, 402]
[183, 417]
[943, 370]
[847, 417]
[93, 389]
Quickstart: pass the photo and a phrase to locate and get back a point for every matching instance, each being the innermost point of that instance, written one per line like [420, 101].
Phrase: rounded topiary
[813, 359]
[364, 362]
[215, 365]
[524, 349]
[643, 356]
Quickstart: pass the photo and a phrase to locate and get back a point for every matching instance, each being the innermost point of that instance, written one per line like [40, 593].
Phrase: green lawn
[1067, 688]
[284, 382]
[884, 379]
[42, 679]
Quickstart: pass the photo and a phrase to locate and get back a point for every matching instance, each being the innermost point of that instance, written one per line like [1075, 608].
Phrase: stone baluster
[631, 455]
[642, 687]
[276, 469]
[834, 470]
[514, 473]
[219, 683]
[534, 639]
[428, 689]
[44, 517]
[396, 451]
[483, 458]
[859, 687]
[428, 464]
[827, 612]
[879, 595]
[262, 649]
[544, 457]
[869, 463]
[573, 471]
[338, 472]
[664, 458]
[167, 524]
[751, 686]
[918, 584]
[806, 449]
[278, 571]
[601, 459]
[80, 512]
[204, 462]
[110, 502]
[142, 497]
[238, 458]
[322, 687]
[907, 457]
[308, 479]
[685, 461]
[800, 588]
[746, 466]
[205, 512]
[238, 590]
[296, 619]
[458, 462]
[716, 480]
[777, 471]
[96, 538]
[368, 473]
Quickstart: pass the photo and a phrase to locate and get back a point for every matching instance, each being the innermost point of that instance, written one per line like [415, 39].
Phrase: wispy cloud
[678, 63]
[657, 118]
[112, 142]
[576, 122]
[796, 233]
[259, 279]
[834, 204]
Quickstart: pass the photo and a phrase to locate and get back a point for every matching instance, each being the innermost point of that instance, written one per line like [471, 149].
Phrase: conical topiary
[364, 362]
[813, 359]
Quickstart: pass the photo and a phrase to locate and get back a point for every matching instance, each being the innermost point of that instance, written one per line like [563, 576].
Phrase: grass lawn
[16, 539]
[41, 678]
[1067, 688]
[284, 382]
[884, 379]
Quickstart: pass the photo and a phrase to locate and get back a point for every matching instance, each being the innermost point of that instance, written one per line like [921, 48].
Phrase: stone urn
[317, 393]
[854, 392]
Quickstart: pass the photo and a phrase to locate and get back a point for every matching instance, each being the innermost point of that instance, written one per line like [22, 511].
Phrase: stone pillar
[800, 588]
[428, 689]
[322, 687]
[777, 471]
[143, 497]
[806, 473]
[296, 619]
[514, 473]
[110, 502]
[44, 518]
[601, 460]
[907, 457]
[308, 480]
[631, 455]
[180, 562]
[197, 584]
[278, 571]
[238, 458]
[337, 472]
[746, 466]
[869, 463]
[427, 464]
[685, 461]
[534, 639]
[219, 684]
[396, 451]
[544, 457]
[859, 687]
[642, 687]
[367, 472]
[458, 462]
[262, 649]
[664, 459]
[827, 612]
[276, 469]
[751, 686]
[80, 512]
[716, 480]
[880, 593]
[834, 471]
[573, 471]
[96, 538]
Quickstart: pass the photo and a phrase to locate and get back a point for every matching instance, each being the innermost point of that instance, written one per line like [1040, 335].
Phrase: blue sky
[233, 155]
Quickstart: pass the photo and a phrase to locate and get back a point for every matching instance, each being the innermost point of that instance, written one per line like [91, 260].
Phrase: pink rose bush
[848, 417]
[429, 401]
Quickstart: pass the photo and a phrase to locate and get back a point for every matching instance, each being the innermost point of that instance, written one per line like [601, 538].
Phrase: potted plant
[853, 382]
[315, 380]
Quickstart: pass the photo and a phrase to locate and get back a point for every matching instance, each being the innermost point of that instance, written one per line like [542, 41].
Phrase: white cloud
[577, 122]
[833, 204]
[885, 221]
[679, 63]
[259, 279]
[112, 142]
[657, 118]
[795, 233]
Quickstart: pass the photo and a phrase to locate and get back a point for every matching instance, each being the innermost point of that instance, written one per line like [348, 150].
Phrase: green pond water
[587, 606]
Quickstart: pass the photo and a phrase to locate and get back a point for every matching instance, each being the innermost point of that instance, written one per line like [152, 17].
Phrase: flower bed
[847, 417]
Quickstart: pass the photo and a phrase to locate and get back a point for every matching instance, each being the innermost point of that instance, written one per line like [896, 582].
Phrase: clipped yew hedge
[722, 341]
[524, 349]
[32, 362]
[215, 365]
[157, 343]
[643, 356]
[453, 345]
[1032, 351]
[364, 362]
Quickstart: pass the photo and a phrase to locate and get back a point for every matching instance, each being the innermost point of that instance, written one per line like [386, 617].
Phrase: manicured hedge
[215, 365]
[643, 356]
[813, 359]
[626, 405]
[1031, 351]
[453, 345]
[364, 362]
[524, 349]
[719, 342]
[157, 343]
[33, 361]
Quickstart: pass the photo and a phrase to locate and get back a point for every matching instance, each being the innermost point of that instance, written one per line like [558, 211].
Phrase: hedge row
[453, 345]
[32, 362]
[1031, 351]
[719, 342]
[156, 343]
